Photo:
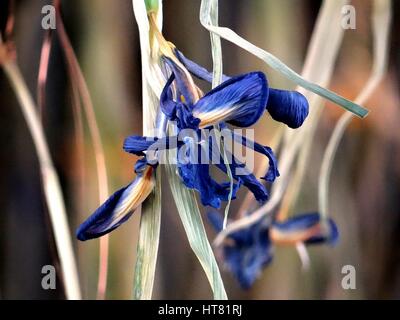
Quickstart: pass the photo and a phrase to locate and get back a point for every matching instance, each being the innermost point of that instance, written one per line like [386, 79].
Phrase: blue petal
[332, 237]
[190, 175]
[247, 264]
[138, 144]
[299, 222]
[306, 221]
[167, 104]
[289, 107]
[250, 252]
[101, 221]
[120, 206]
[182, 82]
[185, 118]
[177, 111]
[216, 220]
[197, 176]
[240, 101]
[249, 180]
[272, 172]
[246, 259]
[140, 165]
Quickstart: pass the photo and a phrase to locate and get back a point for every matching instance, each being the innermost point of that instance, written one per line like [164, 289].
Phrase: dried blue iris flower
[238, 101]
[247, 251]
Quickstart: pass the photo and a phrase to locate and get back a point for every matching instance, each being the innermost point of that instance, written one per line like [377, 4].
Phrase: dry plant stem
[318, 67]
[79, 142]
[333, 145]
[303, 254]
[103, 268]
[76, 75]
[9, 28]
[216, 51]
[43, 71]
[77, 114]
[51, 184]
[77, 110]
[292, 193]
[270, 206]
[381, 21]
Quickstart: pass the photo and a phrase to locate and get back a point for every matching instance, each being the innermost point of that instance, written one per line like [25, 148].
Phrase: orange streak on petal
[293, 237]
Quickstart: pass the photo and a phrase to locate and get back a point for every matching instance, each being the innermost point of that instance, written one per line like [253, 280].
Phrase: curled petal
[118, 208]
[247, 263]
[167, 103]
[240, 101]
[248, 252]
[185, 118]
[289, 107]
[248, 180]
[272, 172]
[141, 165]
[184, 82]
[150, 148]
[308, 228]
[196, 175]
[138, 144]
[177, 111]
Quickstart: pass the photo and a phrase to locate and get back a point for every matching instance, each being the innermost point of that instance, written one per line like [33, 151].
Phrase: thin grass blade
[51, 184]
[216, 51]
[274, 62]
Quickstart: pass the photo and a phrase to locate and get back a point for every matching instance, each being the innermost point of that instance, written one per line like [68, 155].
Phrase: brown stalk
[43, 72]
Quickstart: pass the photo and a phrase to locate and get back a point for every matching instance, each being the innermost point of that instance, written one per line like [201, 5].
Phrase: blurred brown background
[365, 188]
